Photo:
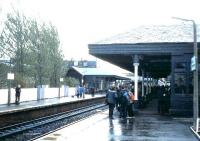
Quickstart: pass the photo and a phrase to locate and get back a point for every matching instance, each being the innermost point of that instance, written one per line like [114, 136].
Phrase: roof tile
[155, 33]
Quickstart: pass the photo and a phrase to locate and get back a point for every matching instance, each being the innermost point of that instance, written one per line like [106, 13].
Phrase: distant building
[95, 78]
[81, 64]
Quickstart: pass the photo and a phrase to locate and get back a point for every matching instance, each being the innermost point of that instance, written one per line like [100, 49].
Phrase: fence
[28, 94]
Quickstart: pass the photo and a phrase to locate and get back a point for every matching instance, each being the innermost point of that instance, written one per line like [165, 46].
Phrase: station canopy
[154, 44]
[98, 72]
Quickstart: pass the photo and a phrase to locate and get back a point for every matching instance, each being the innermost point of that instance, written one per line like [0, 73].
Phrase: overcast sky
[80, 22]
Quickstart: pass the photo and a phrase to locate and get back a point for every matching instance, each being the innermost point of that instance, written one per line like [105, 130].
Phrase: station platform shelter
[155, 52]
[95, 78]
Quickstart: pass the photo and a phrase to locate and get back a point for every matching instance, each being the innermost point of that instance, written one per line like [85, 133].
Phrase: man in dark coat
[111, 101]
[17, 94]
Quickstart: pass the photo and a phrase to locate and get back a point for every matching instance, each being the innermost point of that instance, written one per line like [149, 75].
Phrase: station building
[160, 51]
[95, 78]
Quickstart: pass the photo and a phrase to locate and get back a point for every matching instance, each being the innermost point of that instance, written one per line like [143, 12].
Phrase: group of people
[122, 99]
[80, 92]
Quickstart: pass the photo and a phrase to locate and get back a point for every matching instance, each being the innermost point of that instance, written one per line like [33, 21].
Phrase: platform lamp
[194, 68]
[10, 76]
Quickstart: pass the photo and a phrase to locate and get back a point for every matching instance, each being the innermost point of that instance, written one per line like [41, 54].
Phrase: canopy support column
[147, 83]
[143, 83]
[136, 64]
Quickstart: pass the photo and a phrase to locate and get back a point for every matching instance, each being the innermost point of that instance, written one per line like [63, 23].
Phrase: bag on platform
[132, 97]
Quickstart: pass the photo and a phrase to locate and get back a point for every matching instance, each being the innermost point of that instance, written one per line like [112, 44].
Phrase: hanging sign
[193, 64]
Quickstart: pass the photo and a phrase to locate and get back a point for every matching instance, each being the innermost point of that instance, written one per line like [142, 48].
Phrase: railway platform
[147, 125]
[4, 108]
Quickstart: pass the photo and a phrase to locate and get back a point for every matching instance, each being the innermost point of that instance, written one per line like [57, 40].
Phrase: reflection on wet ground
[147, 125]
[150, 126]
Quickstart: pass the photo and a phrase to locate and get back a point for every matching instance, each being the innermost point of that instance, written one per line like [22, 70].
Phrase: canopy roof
[153, 44]
[99, 72]
[154, 34]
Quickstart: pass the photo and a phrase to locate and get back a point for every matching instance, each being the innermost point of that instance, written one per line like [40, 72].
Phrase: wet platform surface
[146, 126]
[41, 103]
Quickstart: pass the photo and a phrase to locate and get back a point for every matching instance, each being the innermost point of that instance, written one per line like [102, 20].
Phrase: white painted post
[136, 80]
[66, 91]
[147, 84]
[142, 83]
[38, 92]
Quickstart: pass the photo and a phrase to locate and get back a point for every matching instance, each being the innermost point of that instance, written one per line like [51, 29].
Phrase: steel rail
[21, 127]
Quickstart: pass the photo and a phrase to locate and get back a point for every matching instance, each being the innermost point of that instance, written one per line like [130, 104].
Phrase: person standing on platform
[111, 101]
[125, 102]
[77, 91]
[118, 104]
[17, 94]
[92, 91]
[130, 106]
[82, 91]
[161, 102]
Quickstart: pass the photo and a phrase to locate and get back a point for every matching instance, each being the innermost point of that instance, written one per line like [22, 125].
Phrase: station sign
[10, 76]
[61, 79]
[193, 63]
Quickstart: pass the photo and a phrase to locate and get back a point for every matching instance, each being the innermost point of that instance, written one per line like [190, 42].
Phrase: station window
[180, 65]
[180, 83]
[191, 80]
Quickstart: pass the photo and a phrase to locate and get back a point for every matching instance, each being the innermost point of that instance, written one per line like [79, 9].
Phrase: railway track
[33, 129]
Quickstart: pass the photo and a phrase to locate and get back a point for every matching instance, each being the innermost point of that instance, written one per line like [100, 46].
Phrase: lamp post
[10, 76]
[195, 75]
